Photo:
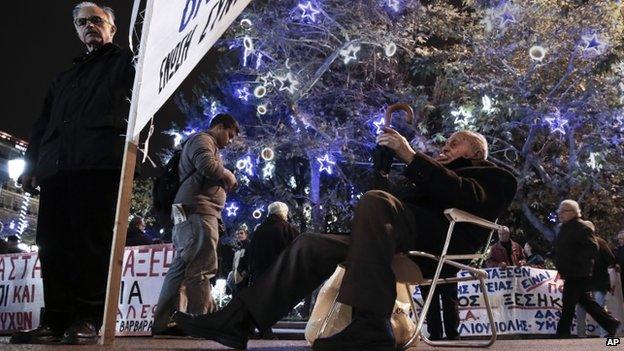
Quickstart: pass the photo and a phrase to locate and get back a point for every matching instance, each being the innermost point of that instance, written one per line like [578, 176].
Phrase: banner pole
[124, 197]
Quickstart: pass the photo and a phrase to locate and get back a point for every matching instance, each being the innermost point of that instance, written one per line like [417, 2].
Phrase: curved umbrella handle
[396, 107]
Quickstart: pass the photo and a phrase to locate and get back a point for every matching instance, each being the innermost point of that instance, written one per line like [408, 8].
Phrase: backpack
[166, 187]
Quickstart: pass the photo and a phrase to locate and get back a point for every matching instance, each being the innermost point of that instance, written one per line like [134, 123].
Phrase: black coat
[267, 242]
[605, 258]
[476, 186]
[82, 125]
[576, 249]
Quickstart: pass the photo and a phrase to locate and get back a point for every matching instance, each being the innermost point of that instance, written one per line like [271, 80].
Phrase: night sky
[39, 41]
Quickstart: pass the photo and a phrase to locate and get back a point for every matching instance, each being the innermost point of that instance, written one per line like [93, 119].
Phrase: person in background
[136, 233]
[505, 252]
[576, 250]
[619, 256]
[238, 277]
[74, 156]
[533, 259]
[13, 241]
[600, 284]
[269, 240]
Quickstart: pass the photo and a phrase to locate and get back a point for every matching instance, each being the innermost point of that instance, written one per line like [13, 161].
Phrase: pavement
[148, 344]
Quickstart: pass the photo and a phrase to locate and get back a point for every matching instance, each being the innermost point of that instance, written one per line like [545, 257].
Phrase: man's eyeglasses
[96, 20]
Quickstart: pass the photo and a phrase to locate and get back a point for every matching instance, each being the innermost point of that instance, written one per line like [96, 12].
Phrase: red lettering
[11, 274]
[166, 262]
[36, 268]
[141, 261]
[153, 261]
[17, 293]
[129, 264]
[26, 259]
[144, 310]
[2, 268]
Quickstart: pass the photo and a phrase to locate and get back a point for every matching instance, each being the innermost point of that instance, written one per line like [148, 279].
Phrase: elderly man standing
[577, 249]
[74, 156]
[382, 226]
[505, 252]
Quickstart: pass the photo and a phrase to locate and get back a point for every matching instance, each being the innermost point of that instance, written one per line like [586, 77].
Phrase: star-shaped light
[288, 82]
[379, 124]
[243, 93]
[244, 180]
[556, 122]
[268, 80]
[245, 165]
[463, 118]
[325, 164]
[350, 53]
[231, 210]
[594, 162]
[487, 104]
[268, 170]
[506, 17]
[592, 43]
[394, 5]
[308, 11]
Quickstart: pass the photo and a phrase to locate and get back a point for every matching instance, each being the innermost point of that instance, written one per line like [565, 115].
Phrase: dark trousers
[382, 226]
[450, 311]
[576, 291]
[74, 234]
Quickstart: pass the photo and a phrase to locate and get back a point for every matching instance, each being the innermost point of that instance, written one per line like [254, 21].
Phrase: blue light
[231, 210]
[308, 11]
[325, 164]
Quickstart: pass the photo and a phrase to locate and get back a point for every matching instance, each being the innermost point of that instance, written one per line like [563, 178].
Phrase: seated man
[383, 225]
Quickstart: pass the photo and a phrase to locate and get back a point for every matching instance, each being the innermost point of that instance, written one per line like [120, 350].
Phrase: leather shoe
[364, 333]
[613, 330]
[229, 326]
[44, 334]
[171, 332]
[80, 333]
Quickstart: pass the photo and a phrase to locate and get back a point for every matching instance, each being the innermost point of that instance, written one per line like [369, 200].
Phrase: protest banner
[524, 300]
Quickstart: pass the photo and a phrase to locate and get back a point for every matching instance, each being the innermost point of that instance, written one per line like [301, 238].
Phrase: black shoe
[613, 330]
[171, 332]
[44, 334]
[229, 326]
[80, 333]
[364, 333]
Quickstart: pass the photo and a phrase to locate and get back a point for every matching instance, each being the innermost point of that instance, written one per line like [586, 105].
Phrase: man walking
[74, 156]
[577, 249]
[197, 208]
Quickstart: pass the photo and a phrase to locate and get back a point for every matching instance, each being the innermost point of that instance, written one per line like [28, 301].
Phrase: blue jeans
[581, 314]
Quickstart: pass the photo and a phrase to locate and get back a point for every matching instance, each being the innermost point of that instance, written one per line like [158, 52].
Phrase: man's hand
[395, 141]
[503, 265]
[229, 181]
[617, 268]
[28, 183]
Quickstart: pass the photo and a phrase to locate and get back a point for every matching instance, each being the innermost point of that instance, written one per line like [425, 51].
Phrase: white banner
[179, 34]
[524, 300]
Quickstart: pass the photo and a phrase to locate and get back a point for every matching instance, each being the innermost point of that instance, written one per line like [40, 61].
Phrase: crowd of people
[74, 157]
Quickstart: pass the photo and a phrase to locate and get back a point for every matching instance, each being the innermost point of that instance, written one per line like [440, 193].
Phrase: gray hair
[109, 11]
[477, 141]
[278, 208]
[570, 205]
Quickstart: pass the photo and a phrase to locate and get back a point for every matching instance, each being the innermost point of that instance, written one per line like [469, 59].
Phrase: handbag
[402, 325]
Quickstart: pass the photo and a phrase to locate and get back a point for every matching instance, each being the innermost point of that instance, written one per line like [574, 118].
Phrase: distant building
[18, 211]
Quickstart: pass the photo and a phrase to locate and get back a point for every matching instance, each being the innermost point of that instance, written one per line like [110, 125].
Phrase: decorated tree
[310, 80]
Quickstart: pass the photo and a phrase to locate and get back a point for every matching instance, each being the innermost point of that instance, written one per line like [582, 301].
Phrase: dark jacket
[604, 259]
[476, 186]
[499, 254]
[267, 242]
[535, 260]
[82, 125]
[576, 249]
[135, 237]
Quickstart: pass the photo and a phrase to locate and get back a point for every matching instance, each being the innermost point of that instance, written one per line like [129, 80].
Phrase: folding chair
[408, 273]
